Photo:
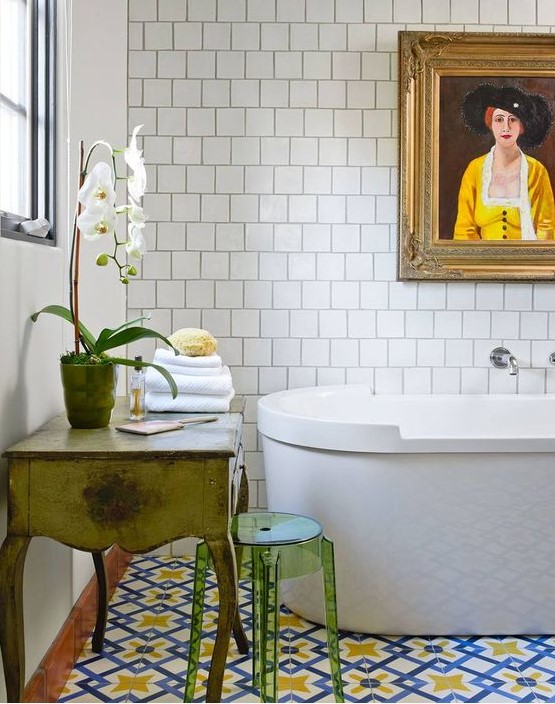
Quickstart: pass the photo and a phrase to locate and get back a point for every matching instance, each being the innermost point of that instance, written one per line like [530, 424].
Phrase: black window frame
[42, 120]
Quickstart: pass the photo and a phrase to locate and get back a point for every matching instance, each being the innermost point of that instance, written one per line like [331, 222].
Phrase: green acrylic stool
[270, 547]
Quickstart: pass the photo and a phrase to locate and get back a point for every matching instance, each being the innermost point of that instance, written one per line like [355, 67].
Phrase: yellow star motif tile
[446, 682]
[137, 683]
[168, 573]
[531, 679]
[504, 648]
[290, 620]
[158, 620]
[376, 681]
[358, 650]
[297, 684]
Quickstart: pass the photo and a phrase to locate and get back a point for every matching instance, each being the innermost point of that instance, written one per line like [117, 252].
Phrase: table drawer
[139, 506]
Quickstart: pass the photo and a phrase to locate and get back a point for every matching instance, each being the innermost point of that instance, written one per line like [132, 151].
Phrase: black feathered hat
[532, 109]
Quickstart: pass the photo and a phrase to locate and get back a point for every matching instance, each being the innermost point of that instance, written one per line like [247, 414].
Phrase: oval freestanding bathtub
[441, 508]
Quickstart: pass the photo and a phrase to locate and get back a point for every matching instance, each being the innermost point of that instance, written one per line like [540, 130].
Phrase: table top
[58, 440]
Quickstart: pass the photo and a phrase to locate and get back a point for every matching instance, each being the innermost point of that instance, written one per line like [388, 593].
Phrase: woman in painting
[506, 194]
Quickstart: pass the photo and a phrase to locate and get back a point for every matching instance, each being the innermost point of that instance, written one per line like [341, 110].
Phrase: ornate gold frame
[424, 252]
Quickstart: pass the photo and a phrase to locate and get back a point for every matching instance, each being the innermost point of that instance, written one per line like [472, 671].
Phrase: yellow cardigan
[476, 221]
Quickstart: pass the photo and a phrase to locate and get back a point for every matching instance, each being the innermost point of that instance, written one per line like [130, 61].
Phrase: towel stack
[203, 383]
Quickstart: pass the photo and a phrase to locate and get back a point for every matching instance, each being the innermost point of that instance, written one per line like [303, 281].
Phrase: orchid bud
[124, 280]
[102, 259]
[131, 271]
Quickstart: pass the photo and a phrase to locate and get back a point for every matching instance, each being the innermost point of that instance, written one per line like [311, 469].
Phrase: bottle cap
[138, 358]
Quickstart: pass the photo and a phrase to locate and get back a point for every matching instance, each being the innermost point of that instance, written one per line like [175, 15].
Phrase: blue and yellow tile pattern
[145, 655]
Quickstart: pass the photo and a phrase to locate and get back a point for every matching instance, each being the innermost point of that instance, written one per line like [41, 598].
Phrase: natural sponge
[194, 342]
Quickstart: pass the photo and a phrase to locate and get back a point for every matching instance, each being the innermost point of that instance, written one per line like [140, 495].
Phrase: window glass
[26, 114]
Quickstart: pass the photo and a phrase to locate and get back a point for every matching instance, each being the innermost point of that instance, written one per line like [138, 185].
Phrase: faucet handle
[499, 357]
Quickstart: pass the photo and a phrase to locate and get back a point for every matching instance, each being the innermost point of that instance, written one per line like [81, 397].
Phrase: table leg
[12, 639]
[223, 558]
[242, 507]
[102, 601]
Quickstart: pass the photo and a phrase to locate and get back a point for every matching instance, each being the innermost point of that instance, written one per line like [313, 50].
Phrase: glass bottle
[137, 392]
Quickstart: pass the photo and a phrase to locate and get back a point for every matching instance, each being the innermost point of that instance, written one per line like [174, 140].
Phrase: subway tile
[320, 11]
[274, 323]
[286, 352]
[232, 10]
[142, 10]
[230, 122]
[417, 381]
[378, 11]
[245, 93]
[274, 93]
[287, 294]
[187, 36]
[303, 94]
[245, 323]
[402, 353]
[331, 94]
[245, 35]
[388, 381]
[214, 150]
[186, 93]
[446, 381]
[315, 353]
[287, 238]
[200, 179]
[302, 209]
[333, 37]
[258, 294]
[199, 294]
[303, 35]
[216, 35]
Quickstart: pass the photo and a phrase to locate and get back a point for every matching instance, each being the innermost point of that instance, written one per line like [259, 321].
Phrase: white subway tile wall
[270, 134]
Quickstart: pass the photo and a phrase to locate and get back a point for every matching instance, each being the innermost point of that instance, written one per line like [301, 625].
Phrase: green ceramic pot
[89, 393]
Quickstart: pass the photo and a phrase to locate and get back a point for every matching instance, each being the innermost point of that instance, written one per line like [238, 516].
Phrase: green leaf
[164, 372]
[65, 313]
[108, 332]
[109, 339]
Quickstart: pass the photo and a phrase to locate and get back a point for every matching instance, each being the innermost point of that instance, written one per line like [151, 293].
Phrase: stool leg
[266, 626]
[201, 564]
[331, 617]
[239, 634]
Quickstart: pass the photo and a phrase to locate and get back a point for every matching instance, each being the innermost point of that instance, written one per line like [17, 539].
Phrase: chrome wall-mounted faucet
[501, 358]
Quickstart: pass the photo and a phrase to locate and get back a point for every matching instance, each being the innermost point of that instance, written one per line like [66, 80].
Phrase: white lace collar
[521, 202]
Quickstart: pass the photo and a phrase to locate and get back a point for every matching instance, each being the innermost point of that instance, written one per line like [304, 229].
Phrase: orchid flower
[136, 214]
[136, 245]
[96, 221]
[136, 184]
[98, 188]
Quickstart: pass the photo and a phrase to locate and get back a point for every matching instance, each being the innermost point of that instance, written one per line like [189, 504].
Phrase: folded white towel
[219, 385]
[188, 403]
[191, 371]
[162, 356]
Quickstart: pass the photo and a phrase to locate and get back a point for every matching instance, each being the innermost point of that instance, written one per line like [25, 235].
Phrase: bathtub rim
[352, 436]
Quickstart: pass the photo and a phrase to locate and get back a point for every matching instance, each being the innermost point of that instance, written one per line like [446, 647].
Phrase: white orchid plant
[96, 218]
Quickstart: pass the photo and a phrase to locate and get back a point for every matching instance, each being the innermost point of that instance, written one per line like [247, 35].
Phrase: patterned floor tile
[146, 646]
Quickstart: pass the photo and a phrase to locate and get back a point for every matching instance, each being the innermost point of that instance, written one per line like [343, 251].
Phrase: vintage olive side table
[91, 489]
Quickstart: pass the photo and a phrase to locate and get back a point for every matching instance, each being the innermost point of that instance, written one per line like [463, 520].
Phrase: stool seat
[273, 529]
[270, 547]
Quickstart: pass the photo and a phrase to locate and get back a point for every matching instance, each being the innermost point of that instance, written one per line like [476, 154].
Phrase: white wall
[271, 135]
[98, 111]
[32, 276]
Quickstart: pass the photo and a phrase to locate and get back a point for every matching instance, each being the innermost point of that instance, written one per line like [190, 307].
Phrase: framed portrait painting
[477, 156]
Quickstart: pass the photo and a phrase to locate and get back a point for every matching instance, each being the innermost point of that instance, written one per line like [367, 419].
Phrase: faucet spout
[513, 365]
[501, 358]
